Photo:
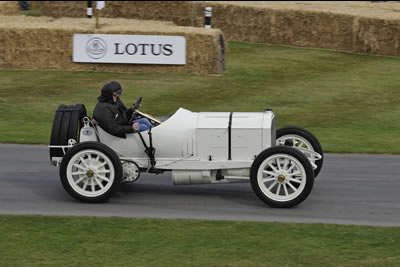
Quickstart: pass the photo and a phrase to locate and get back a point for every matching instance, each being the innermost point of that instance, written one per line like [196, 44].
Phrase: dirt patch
[46, 43]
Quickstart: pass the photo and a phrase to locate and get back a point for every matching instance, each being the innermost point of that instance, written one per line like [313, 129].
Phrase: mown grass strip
[35, 240]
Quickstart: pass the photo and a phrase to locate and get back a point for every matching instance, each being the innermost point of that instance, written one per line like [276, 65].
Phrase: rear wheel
[91, 172]
[282, 177]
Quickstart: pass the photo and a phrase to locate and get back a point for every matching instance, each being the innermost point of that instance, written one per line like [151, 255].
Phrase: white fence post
[208, 14]
[89, 11]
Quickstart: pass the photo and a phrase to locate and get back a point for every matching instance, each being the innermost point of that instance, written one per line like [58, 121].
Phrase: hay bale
[361, 27]
[354, 26]
[46, 43]
[388, 10]
[58, 9]
[9, 8]
[379, 37]
[150, 10]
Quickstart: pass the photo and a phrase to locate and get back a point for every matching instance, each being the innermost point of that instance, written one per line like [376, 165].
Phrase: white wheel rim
[301, 144]
[90, 173]
[281, 177]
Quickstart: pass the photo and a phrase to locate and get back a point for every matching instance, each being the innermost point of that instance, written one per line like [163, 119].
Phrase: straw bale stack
[9, 8]
[46, 43]
[179, 12]
[58, 9]
[354, 26]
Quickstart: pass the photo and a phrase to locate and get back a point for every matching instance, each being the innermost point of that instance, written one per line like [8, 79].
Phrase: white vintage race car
[198, 147]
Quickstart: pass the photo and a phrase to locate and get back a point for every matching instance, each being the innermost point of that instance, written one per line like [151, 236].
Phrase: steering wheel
[135, 109]
[136, 112]
[137, 105]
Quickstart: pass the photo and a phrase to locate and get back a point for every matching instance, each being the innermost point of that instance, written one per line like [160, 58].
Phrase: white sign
[131, 49]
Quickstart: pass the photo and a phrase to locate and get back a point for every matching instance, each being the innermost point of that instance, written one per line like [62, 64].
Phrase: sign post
[89, 10]
[99, 6]
[208, 14]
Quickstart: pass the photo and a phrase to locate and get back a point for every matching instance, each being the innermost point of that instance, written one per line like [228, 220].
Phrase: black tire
[76, 121]
[301, 132]
[66, 125]
[58, 117]
[64, 128]
[293, 194]
[82, 113]
[78, 189]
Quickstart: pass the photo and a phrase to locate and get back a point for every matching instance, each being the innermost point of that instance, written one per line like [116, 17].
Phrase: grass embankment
[36, 240]
[350, 102]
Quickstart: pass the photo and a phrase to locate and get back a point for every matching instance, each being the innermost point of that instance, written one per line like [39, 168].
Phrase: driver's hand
[135, 126]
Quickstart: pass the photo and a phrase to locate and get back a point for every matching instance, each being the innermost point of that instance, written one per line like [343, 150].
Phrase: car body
[198, 148]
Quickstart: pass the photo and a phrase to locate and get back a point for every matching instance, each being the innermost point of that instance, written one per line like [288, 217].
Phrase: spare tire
[76, 121]
[66, 125]
[58, 117]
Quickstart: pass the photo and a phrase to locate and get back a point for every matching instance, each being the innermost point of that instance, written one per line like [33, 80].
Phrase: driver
[112, 114]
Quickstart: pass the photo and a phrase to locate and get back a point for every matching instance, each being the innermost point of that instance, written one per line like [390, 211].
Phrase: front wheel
[282, 177]
[305, 142]
[91, 172]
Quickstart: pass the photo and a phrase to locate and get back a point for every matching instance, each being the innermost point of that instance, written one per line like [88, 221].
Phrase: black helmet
[110, 89]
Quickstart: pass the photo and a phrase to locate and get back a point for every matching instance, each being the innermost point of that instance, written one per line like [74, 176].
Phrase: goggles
[117, 92]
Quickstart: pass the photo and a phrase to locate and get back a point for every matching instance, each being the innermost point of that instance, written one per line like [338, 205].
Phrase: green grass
[87, 241]
[351, 102]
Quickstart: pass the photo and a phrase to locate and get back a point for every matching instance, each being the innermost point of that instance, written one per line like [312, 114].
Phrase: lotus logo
[96, 48]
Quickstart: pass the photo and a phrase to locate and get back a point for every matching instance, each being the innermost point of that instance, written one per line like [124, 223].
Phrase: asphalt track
[351, 189]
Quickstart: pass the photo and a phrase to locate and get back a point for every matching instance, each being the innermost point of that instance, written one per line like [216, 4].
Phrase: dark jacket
[112, 117]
